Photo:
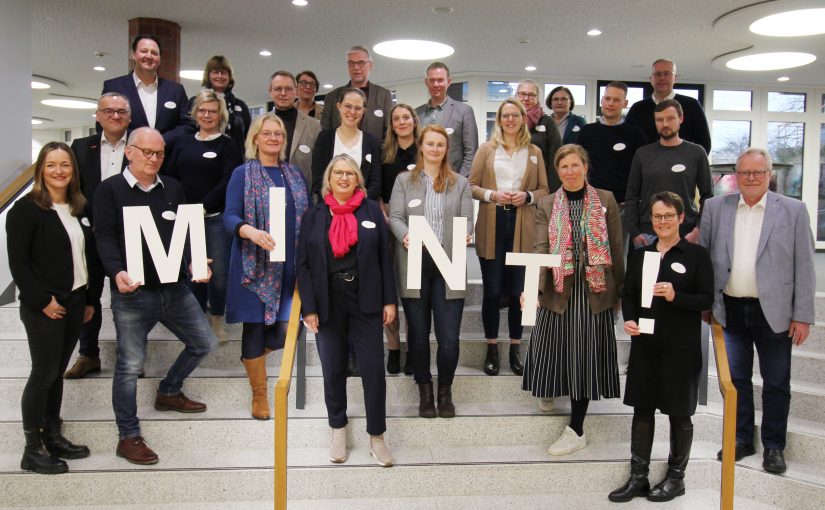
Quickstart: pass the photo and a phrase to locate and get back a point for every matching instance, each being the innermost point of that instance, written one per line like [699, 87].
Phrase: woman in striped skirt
[573, 345]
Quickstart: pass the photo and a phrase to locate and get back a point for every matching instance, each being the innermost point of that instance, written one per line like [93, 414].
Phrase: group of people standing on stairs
[352, 182]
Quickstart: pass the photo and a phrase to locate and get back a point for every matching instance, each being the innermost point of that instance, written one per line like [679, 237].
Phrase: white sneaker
[380, 452]
[216, 322]
[546, 405]
[338, 446]
[567, 443]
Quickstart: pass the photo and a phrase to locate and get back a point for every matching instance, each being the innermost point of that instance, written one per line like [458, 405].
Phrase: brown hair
[391, 140]
[669, 103]
[568, 149]
[670, 199]
[218, 63]
[549, 100]
[40, 194]
[446, 177]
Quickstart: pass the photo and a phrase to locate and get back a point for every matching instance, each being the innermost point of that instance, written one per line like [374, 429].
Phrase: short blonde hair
[209, 96]
[255, 128]
[523, 135]
[325, 188]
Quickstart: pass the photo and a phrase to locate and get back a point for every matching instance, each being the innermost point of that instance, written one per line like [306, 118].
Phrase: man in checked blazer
[762, 251]
[99, 157]
[456, 117]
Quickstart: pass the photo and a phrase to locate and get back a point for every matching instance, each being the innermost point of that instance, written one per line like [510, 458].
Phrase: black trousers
[51, 343]
[366, 332]
[90, 331]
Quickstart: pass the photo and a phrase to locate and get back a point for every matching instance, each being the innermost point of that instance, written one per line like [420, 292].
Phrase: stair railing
[728, 418]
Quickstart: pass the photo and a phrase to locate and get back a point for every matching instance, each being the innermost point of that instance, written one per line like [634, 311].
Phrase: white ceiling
[487, 37]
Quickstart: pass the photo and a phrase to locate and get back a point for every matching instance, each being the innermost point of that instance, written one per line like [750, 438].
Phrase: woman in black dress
[664, 367]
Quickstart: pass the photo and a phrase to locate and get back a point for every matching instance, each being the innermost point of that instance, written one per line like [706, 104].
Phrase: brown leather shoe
[136, 451]
[82, 367]
[179, 403]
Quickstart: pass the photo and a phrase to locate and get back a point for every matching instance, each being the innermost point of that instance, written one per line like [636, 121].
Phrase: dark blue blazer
[376, 278]
[170, 121]
[87, 152]
[370, 162]
[571, 134]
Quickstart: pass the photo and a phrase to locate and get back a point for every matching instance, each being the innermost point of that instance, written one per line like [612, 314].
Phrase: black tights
[578, 410]
[646, 417]
[257, 336]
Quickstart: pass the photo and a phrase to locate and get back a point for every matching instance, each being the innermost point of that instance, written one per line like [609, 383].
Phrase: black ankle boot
[446, 409]
[491, 361]
[59, 446]
[515, 360]
[641, 442]
[393, 361]
[37, 459]
[673, 485]
[426, 405]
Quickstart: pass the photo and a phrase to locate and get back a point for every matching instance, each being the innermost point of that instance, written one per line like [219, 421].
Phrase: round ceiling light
[265, 53]
[36, 122]
[798, 23]
[411, 49]
[770, 61]
[530, 68]
[327, 85]
[594, 32]
[783, 78]
[77, 104]
[99, 68]
[39, 85]
[299, 3]
[191, 74]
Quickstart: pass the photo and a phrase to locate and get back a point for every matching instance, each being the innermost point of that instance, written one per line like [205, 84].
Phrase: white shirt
[354, 152]
[111, 157]
[746, 231]
[78, 242]
[669, 96]
[510, 169]
[132, 181]
[148, 98]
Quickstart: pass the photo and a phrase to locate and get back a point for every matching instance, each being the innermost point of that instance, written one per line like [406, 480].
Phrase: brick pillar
[168, 33]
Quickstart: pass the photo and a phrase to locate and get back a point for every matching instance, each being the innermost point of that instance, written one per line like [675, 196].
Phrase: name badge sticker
[619, 147]
[170, 105]
[534, 159]
[411, 166]
[238, 108]
[368, 224]
[450, 131]
[414, 203]
[169, 215]
[541, 129]
[210, 155]
[85, 222]
[304, 148]
[368, 157]
[576, 129]
[678, 267]
[678, 167]
[379, 113]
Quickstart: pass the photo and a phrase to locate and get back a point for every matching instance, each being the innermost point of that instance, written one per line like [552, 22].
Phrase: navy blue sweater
[611, 150]
[204, 169]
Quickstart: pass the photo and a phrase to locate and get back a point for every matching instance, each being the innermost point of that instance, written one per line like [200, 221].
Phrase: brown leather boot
[256, 371]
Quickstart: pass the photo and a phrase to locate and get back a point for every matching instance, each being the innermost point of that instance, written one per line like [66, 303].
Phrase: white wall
[15, 88]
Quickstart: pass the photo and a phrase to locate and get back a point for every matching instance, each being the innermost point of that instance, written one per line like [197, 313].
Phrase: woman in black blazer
[347, 288]
[49, 247]
[348, 139]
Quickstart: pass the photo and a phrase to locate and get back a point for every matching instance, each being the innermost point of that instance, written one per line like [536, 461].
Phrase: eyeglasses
[510, 116]
[206, 112]
[352, 108]
[658, 218]
[307, 84]
[271, 134]
[662, 74]
[148, 153]
[751, 173]
[358, 63]
[282, 90]
[562, 99]
[110, 112]
[344, 174]
[219, 72]
[527, 94]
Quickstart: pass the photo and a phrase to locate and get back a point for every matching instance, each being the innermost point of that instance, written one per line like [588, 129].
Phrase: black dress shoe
[774, 461]
[515, 360]
[742, 451]
[393, 361]
[491, 361]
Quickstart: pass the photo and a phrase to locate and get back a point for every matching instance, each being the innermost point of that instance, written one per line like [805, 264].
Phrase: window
[491, 123]
[820, 209]
[458, 91]
[729, 139]
[786, 144]
[732, 100]
[498, 91]
[786, 102]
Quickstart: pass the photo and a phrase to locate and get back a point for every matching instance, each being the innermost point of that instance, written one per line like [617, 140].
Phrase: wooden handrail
[728, 417]
[281, 398]
[16, 186]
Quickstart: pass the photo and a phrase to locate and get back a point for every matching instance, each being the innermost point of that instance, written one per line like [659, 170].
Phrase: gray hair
[361, 49]
[756, 151]
[664, 60]
[141, 131]
[534, 83]
[115, 94]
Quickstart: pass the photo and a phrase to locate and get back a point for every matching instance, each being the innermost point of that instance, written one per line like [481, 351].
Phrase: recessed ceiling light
[327, 86]
[411, 49]
[593, 32]
[783, 78]
[191, 74]
[791, 23]
[36, 122]
[443, 10]
[770, 61]
[77, 104]
[530, 68]
[99, 68]
[299, 3]
[40, 85]
[265, 53]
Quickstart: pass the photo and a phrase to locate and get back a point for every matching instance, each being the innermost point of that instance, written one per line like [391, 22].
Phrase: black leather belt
[743, 299]
[506, 207]
[347, 277]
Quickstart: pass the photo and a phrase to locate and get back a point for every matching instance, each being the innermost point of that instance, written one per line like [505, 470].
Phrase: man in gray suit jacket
[379, 100]
[456, 117]
[301, 128]
[762, 250]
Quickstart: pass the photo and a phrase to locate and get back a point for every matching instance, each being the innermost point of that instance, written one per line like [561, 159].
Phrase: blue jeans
[433, 304]
[217, 249]
[745, 329]
[135, 315]
[502, 283]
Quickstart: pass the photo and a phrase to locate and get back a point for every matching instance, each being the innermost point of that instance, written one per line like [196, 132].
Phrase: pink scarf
[534, 116]
[343, 231]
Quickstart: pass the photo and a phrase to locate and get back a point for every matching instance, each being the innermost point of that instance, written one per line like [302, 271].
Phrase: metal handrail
[728, 418]
[281, 398]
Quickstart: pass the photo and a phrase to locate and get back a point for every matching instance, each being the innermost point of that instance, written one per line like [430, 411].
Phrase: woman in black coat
[49, 251]
[665, 358]
[544, 133]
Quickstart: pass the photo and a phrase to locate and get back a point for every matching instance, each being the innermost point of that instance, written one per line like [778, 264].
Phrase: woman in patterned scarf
[573, 345]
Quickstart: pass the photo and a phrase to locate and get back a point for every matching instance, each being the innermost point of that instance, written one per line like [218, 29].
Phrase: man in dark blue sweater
[138, 306]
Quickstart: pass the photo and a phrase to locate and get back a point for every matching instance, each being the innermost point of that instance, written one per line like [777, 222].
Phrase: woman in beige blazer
[507, 178]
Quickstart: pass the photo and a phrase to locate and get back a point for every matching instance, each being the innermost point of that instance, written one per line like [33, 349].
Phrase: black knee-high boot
[681, 440]
[641, 442]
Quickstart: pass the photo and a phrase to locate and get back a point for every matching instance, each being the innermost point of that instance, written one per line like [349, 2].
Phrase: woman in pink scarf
[544, 133]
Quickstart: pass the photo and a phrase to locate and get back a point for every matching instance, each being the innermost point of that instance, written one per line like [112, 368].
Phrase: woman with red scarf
[544, 133]
[347, 287]
[259, 292]
[573, 345]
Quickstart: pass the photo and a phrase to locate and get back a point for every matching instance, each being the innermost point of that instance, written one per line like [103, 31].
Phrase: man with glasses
[99, 157]
[454, 116]
[137, 306]
[301, 129]
[662, 78]
[668, 164]
[376, 117]
[156, 102]
[762, 251]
